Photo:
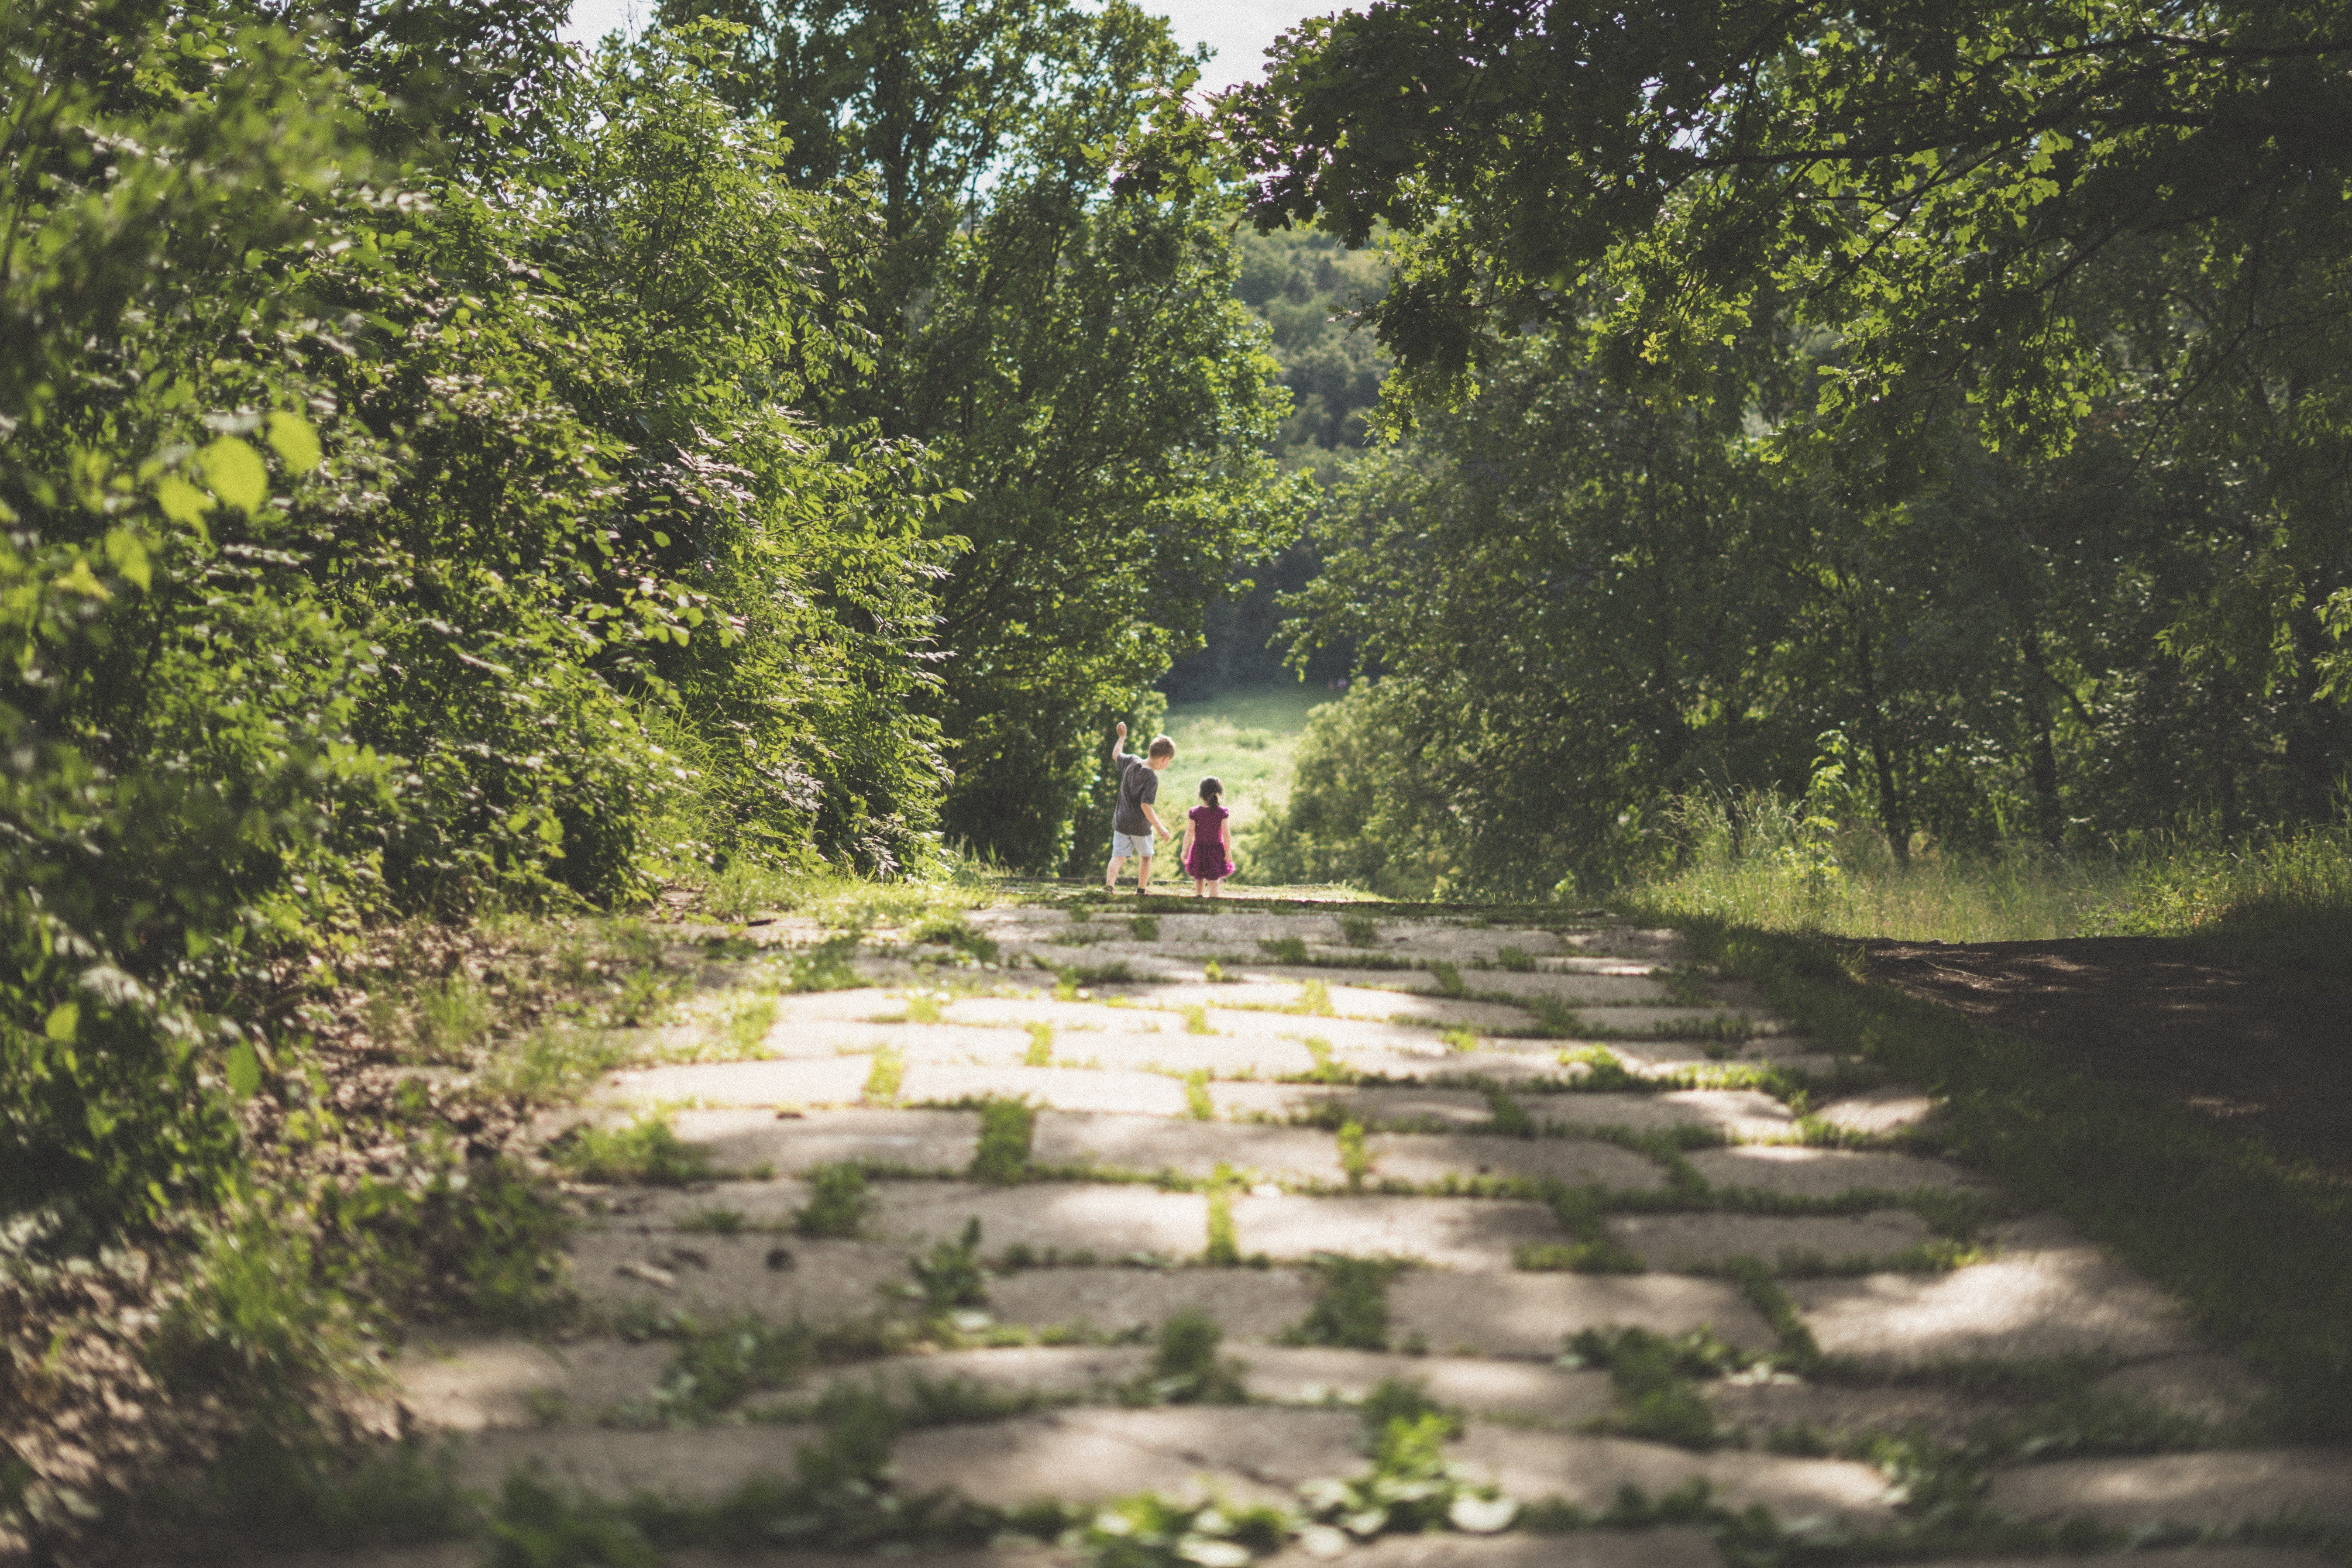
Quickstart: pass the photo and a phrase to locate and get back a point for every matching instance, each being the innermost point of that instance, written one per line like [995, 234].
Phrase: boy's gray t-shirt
[1138, 786]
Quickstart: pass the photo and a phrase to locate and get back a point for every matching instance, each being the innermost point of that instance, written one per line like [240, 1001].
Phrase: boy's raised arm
[1118, 742]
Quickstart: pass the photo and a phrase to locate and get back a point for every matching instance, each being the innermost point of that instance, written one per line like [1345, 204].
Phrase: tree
[2013, 219]
[1056, 325]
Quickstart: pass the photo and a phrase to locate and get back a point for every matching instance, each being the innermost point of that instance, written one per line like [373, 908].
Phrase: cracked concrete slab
[1526, 1390]
[2209, 1386]
[1110, 1220]
[1682, 1241]
[469, 1383]
[1803, 1172]
[1275, 994]
[1429, 1158]
[1195, 1149]
[1047, 1371]
[2047, 1292]
[777, 1277]
[1735, 1113]
[1532, 1314]
[1095, 1456]
[818, 1080]
[1580, 1549]
[2223, 1488]
[699, 1466]
[1890, 1107]
[1248, 1303]
[1590, 1471]
[912, 1139]
[1447, 1233]
[1056, 1088]
[705, 1205]
[1835, 1413]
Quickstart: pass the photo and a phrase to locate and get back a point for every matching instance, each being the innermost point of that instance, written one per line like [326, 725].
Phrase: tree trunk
[1892, 816]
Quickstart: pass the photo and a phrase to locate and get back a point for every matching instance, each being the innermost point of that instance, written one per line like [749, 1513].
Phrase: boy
[1134, 822]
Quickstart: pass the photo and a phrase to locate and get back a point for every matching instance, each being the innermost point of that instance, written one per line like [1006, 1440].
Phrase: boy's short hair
[1162, 746]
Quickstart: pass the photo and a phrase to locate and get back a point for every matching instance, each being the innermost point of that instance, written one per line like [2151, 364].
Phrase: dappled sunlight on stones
[1109, 1221]
[2047, 1293]
[1530, 1314]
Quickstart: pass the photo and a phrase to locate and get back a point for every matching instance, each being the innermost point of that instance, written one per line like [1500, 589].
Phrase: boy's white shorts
[1123, 844]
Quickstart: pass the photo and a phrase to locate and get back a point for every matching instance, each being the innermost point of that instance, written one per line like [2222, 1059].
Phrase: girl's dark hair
[1213, 790]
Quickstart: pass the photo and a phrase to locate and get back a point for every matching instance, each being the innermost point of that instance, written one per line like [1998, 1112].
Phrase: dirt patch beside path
[2262, 1054]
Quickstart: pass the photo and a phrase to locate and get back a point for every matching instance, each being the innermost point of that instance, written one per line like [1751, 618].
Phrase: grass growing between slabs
[2259, 1248]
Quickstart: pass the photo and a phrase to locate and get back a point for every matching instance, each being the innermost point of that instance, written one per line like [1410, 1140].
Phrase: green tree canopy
[1056, 325]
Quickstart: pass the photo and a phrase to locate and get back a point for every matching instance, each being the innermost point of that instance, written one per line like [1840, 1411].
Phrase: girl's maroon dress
[1207, 861]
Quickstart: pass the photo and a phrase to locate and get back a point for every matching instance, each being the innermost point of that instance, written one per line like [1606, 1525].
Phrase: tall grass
[1762, 861]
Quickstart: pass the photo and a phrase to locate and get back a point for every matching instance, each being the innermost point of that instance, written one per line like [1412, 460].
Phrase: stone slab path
[1189, 1191]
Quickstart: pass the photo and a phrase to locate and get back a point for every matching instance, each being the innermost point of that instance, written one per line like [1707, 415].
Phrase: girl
[1208, 856]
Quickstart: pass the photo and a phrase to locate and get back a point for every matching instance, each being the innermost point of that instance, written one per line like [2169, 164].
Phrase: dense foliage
[1307, 289]
[1931, 414]
[437, 467]
[1053, 297]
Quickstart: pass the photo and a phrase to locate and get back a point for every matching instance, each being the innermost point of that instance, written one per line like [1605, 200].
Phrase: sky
[1239, 30]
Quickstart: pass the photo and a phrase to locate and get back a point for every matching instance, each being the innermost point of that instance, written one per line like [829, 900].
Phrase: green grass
[950, 1276]
[885, 1076]
[1186, 1368]
[1040, 1053]
[1351, 1312]
[1246, 739]
[2260, 1250]
[1002, 1155]
[2283, 900]
[1197, 1103]
[645, 1153]
[1354, 1158]
[840, 1201]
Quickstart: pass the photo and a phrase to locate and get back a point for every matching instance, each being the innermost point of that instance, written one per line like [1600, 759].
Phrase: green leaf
[296, 444]
[181, 502]
[235, 472]
[63, 1020]
[244, 1070]
[129, 557]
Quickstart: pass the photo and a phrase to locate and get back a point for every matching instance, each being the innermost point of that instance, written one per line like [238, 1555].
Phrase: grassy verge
[2259, 1248]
